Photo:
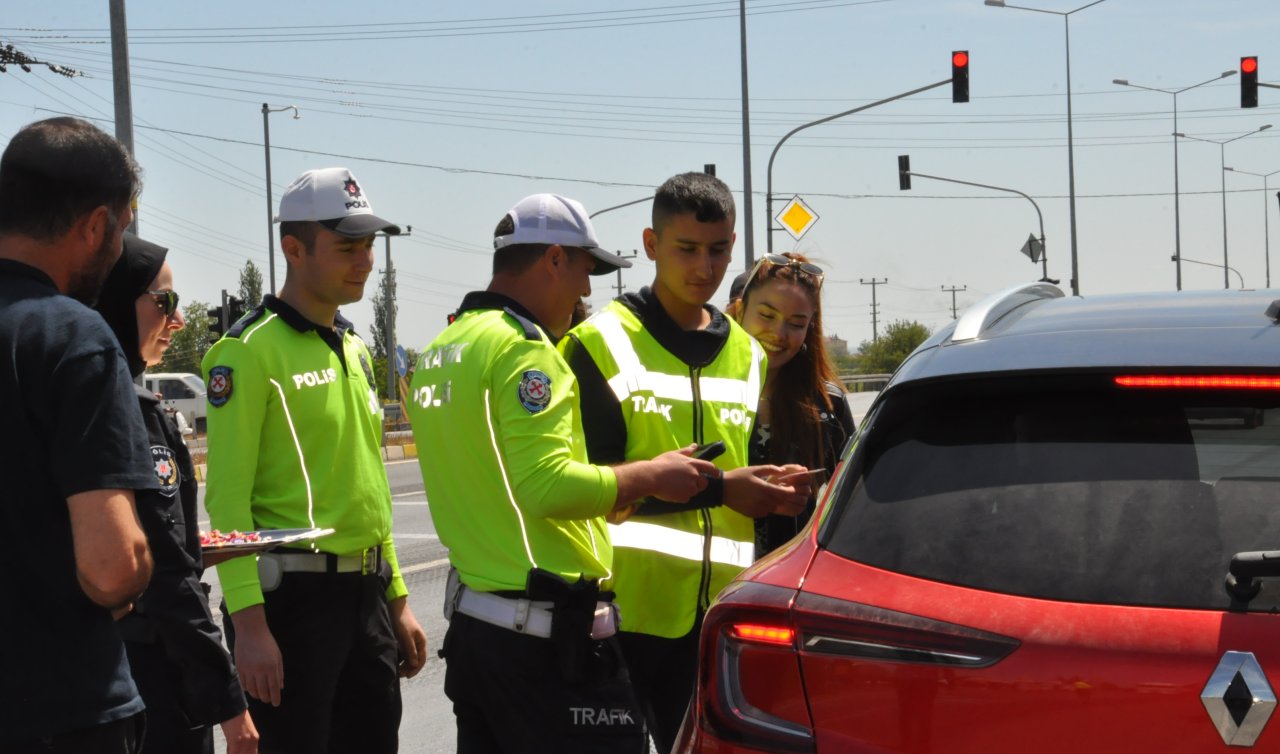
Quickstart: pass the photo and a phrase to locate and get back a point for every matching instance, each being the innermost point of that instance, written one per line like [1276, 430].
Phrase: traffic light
[235, 309]
[960, 76]
[904, 172]
[216, 326]
[1249, 81]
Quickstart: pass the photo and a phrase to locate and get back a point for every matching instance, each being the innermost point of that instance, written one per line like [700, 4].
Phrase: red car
[1057, 532]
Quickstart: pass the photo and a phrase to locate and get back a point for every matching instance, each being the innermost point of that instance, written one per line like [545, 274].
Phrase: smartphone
[710, 451]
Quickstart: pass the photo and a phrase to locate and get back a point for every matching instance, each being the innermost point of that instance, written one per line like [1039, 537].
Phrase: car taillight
[831, 626]
[749, 687]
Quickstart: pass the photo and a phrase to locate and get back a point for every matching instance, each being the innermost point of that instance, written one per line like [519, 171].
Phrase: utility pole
[389, 304]
[748, 222]
[875, 308]
[619, 286]
[952, 291]
[120, 83]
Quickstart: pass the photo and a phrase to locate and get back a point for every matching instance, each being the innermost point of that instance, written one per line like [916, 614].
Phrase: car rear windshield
[1066, 488]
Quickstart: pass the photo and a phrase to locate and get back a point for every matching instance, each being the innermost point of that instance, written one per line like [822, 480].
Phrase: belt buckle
[370, 561]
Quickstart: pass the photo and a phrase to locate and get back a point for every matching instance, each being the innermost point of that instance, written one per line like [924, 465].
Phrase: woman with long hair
[803, 416]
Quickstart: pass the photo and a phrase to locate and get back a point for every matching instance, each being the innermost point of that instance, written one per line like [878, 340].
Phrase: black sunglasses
[166, 301]
[778, 260]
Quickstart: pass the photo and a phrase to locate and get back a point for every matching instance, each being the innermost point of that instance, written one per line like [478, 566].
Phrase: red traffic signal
[960, 76]
[1249, 81]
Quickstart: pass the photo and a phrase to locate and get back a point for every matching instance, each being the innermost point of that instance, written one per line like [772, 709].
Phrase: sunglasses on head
[166, 301]
[770, 263]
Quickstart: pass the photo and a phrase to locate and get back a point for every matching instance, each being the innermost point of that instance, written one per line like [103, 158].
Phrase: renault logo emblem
[1238, 699]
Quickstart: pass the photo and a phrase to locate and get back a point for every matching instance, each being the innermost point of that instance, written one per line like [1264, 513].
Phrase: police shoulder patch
[535, 391]
[166, 470]
[219, 387]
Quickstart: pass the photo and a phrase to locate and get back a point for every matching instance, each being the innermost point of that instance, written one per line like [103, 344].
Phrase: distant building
[837, 346]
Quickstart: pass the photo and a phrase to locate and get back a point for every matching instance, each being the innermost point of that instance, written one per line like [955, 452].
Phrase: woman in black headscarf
[175, 650]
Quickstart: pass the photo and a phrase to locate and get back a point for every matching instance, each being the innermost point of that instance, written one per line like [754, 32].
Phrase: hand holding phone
[709, 451]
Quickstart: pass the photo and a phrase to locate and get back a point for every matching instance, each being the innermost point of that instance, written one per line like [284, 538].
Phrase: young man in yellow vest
[657, 370]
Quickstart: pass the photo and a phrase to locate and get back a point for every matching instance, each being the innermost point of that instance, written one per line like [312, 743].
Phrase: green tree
[378, 330]
[190, 343]
[250, 285]
[883, 356]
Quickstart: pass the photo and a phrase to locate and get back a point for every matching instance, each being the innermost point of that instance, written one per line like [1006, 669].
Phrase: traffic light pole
[1044, 250]
[768, 194]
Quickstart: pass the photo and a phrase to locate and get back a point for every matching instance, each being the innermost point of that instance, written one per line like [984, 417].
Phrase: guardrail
[858, 383]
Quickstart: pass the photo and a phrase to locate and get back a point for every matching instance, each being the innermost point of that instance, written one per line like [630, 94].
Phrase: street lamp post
[1266, 223]
[1222, 156]
[1071, 157]
[1177, 216]
[266, 148]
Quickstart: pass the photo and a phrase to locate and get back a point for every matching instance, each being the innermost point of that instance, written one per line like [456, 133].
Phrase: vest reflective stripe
[632, 377]
[680, 544]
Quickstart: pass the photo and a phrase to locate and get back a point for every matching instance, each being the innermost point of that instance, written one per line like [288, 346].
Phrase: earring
[804, 347]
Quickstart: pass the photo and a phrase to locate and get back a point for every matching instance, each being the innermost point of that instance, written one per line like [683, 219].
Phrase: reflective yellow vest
[668, 566]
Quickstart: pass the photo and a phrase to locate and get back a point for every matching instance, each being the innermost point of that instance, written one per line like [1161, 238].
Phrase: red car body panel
[1084, 678]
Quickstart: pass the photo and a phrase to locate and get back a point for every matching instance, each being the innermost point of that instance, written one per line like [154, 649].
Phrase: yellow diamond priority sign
[796, 217]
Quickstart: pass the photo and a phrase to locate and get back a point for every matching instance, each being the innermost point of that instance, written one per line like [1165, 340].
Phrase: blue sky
[449, 114]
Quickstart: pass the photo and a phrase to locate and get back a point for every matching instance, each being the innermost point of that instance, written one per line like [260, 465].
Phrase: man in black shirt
[73, 449]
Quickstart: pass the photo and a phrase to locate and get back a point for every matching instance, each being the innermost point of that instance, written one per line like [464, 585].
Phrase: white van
[182, 391]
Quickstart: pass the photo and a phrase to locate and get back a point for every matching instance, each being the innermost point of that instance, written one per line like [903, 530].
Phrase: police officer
[532, 662]
[659, 369]
[319, 631]
[175, 649]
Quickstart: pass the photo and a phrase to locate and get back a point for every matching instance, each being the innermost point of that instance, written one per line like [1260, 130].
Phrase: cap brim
[607, 262]
[359, 226]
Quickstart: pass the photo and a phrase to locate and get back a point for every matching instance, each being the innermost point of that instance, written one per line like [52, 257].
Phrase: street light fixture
[266, 147]
[1177, 215]
[1071, 157]
[1266, 223]
[1222, 155]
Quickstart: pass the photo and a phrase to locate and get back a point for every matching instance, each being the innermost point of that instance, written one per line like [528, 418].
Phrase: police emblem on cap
[219, 387]
[535, 391]
[166, 470]
[351, 187]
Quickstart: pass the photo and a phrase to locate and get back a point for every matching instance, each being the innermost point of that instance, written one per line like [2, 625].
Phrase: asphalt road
[427, 725]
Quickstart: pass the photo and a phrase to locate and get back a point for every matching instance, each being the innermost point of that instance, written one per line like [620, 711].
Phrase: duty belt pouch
[573, 612]
[269, 571]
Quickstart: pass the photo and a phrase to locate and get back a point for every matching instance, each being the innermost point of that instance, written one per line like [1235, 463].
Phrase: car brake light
[763, 634]
[750, 691]
[1201, 381]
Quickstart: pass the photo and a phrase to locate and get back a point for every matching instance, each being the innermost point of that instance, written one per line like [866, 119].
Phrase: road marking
[410, 535]
[424, 566]
[407, 494]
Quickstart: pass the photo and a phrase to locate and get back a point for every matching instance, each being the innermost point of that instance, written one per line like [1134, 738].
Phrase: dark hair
[704, 196]
[303, 230]
[800, 392]
[58, 170]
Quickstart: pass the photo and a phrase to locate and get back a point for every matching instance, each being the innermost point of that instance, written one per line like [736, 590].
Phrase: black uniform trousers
[341, 679]
[663, 672]
[509, 696]
[119, 737]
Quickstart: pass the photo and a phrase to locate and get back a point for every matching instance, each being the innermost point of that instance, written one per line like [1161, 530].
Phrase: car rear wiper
[1245, 571]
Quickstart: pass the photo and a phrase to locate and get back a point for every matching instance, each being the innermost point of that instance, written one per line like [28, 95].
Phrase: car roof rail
[978, 318]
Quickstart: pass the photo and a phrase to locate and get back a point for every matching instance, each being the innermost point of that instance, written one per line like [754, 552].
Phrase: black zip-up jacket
[172, 616]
